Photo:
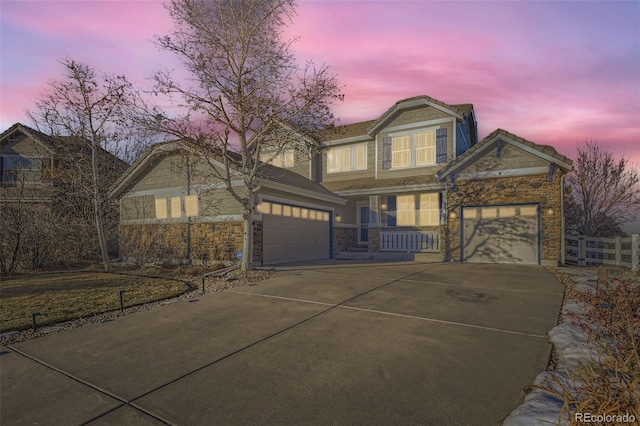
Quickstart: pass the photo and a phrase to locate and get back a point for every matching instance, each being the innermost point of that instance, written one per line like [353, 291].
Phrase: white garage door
[501, 234]
[294, 234]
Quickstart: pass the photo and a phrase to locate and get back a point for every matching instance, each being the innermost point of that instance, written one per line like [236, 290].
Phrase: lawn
[67, 296]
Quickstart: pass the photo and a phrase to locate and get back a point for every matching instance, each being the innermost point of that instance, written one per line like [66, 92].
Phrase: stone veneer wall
[184, 242]
[511, 190]
[343, 238]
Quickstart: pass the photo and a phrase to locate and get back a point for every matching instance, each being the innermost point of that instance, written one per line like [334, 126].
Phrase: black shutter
[386, 153]
[391, 210]
[552, 169]
[441, 145]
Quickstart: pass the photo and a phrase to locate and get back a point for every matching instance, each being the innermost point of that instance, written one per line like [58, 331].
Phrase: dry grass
[612, 323]
[67, 296]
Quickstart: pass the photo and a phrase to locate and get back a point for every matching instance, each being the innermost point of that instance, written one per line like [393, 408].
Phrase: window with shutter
[441, 145]
[406, 210]
[401, 151]
[425, 148]
[386, 153]
[429, 209]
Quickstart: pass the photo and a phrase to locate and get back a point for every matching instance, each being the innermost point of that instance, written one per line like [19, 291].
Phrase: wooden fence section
[410, 241]
[588, 251]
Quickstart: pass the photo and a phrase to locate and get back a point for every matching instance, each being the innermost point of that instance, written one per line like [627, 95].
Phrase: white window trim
[412, 149]
[351, 147]
[277, 159]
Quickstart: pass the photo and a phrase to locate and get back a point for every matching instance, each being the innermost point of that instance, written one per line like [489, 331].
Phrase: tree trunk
[247, 242]
[96, 209]
[101, 239]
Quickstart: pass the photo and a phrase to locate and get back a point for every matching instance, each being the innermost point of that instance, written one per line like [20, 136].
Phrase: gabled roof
[54, 144]
[546, 152]
[44, 139]
[368, 128]
[460, 111]
[266, 174]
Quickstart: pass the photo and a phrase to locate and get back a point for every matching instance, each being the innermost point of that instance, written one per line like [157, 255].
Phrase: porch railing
[410, 241]
[587, 251]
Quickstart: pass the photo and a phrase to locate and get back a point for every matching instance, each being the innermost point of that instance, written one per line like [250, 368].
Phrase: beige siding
[358, 174]
[348, 212]
[301, 165]
[137, 208]
[25, 146]
[219, 201]
[417, 115]
[511, 158]
[168, 173]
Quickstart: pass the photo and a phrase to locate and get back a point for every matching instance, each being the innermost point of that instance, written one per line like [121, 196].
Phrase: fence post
[634, 252]
[582, 251]
[618, 248]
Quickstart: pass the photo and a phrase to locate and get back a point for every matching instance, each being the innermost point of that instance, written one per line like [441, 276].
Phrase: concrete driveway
[388, 343]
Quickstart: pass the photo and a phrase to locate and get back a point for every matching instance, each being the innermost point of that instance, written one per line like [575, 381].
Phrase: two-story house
[414, 180]
[44, 197]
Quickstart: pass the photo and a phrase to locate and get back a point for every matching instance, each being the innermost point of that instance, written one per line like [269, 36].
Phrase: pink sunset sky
[556, 73]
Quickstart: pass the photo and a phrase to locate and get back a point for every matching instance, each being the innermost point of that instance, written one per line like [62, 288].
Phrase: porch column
[374, 223]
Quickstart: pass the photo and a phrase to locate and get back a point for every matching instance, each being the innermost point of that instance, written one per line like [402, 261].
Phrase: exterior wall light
[453, 215]
[550, 211]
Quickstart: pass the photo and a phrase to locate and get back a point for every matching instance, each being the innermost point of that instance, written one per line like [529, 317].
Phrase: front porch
[410, 223]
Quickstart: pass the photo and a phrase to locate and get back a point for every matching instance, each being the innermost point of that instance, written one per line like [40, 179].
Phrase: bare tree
[244, 85]
[603, 193]
[85, 113]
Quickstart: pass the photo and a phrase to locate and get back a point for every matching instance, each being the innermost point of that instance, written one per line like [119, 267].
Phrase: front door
[363, 224]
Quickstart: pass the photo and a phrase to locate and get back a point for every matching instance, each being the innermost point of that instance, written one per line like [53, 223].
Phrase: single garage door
[294, 233]
[501, 234]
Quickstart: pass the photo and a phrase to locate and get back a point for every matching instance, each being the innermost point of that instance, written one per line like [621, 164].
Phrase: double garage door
[501, 234]
[294, 233]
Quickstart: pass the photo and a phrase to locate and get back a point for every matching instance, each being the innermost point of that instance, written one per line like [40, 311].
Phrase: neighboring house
[416, 179]
[45, 195]
[26, 157]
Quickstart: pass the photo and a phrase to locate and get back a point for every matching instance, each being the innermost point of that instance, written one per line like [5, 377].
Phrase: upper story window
[420, 148]
[15, 168]
[347, 158]
[284, 159]
[415, 149]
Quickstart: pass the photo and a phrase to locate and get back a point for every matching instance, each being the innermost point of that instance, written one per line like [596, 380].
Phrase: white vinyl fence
[588, 251]
[410, 241]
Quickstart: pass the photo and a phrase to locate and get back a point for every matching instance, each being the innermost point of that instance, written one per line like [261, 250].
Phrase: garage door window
[507, 211]
[292, 211]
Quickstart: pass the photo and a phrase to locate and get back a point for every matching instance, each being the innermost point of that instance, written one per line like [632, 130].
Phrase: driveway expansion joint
[123, 401]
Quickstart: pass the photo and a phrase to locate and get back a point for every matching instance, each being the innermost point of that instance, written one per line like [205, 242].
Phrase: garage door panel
[302, 235]
[500, 234]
